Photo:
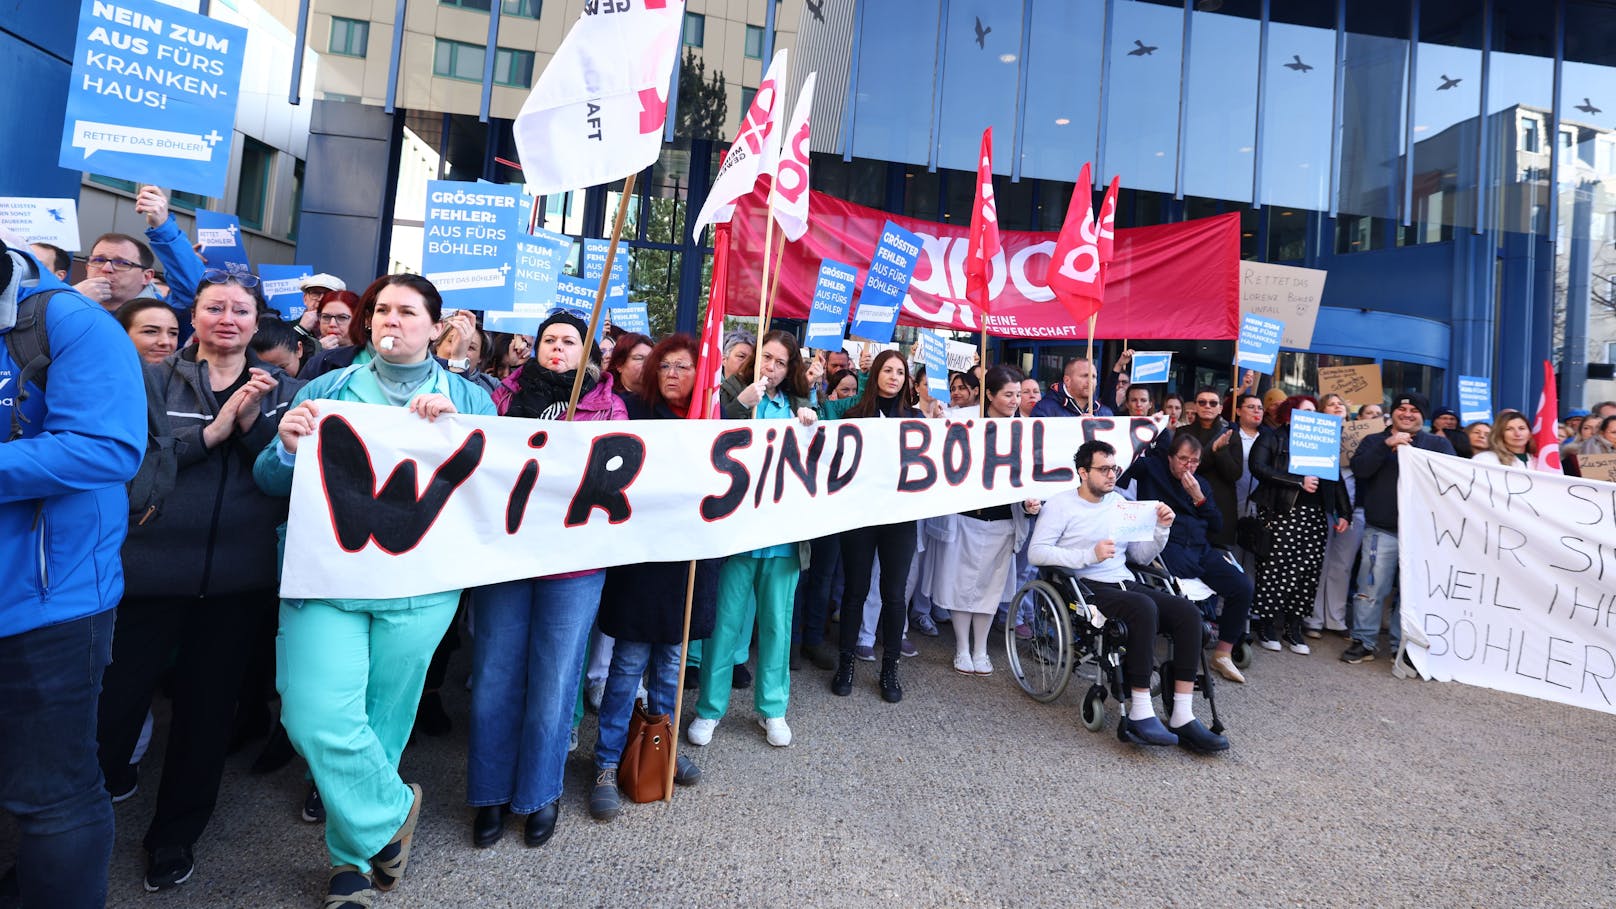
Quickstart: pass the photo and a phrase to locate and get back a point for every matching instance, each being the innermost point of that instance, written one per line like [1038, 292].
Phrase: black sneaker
[168, 867]
[685, 772]
[891, 691]
[604, 802]
[841, 684]
[1356, 652]
[313, 808]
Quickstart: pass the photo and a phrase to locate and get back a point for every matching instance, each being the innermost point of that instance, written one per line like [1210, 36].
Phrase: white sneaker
[775, 726]
[700, 731]
[982, 665]
[1270, 645]
[1301, 648]
[963, 663]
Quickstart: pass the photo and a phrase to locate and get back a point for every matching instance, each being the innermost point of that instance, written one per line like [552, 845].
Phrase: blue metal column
[393, 56]
[1262, 88]
[490, 56]
[293, 94]
[1407, 195]
[1183, 107]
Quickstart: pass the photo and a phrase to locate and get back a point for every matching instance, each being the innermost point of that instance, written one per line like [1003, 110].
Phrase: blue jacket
[1194, 526]
[1060, 404]
[63, 506]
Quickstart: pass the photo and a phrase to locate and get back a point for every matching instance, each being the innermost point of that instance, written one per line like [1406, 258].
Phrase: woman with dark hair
[642, 606]
[1300, 513]
[964, 389]
[278, 343]
[528, 652]
[351, 670]
[887, 395]
[509, 353]
[152, 326]
[1330, 604]
[627, 362]
[340, 325]
[764, 581]
[199, 580]
[1603, 441]
[970, 571]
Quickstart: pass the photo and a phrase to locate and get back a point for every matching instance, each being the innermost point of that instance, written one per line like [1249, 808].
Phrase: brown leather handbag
[643, 772]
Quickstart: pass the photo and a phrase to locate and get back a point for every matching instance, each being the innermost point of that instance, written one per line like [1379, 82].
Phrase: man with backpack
[72, 411]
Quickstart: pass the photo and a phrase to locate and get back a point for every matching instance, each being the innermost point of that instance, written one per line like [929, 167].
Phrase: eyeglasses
[335, 318]
[676, 368]
[1113, 470]
[118, 265]
[1207, 402]
[220, 276]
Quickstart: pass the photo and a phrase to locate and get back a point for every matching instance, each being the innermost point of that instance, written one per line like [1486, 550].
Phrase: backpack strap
[29, 345]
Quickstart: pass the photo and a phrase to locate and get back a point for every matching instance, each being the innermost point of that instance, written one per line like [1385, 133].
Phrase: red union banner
[1166, 282]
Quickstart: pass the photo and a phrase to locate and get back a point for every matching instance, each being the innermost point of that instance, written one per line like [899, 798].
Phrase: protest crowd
[184, 606]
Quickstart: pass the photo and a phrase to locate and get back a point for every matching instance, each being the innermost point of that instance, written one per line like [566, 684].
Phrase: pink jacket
[601, 403]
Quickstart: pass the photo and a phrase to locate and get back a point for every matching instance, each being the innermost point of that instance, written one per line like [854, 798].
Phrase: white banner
[1511, 575]
[385, 504]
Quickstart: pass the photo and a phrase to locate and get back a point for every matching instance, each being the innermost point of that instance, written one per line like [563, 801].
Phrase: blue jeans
[1377, 572]
[527, 663]
[629, 660]
[50, 680]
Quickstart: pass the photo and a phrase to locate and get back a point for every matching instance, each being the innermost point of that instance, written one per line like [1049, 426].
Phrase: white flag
[791, 170]
[597, 112]
[744, 163]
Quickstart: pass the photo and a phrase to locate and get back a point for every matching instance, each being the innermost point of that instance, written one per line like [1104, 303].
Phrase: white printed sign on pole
[1507, 575]
[386, 505]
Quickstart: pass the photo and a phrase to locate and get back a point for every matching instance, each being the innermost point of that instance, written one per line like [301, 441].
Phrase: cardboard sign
[53, 221]
[833, 294]
[1475, 400]
[281, 290]
[1598, 466]
[219, 235]
[1359, 385]
[1285, 293]
[152, 97]
[541, 257]
[1258, 347]
[1135, 522]
[934, 354]
[469, 242]
[1150, 367]
[635, 317]
[1315, 444]
[1354, 432]
[887, 283]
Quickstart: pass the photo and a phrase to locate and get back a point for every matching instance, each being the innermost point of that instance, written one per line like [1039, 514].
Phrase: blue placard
[1151, 366]
[1475, 399]
[1258, 346]
[512, 322]
[219, 235]
[469, 243]
[635, 317]
[891, 268]
[577, 295]
[595, 265]
[833, 294]
[540, 261]
[152, 97]
[934, 356]
[1315, 444]
[281, 290]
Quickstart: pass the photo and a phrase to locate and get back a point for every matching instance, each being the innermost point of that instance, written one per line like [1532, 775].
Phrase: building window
[349, 37]
[695, 29]
[252, 193]
[754, 42]
[527, 9]
[747, 94]
[480, 6]
[1529, 139]
[458, 60]
[513, 67]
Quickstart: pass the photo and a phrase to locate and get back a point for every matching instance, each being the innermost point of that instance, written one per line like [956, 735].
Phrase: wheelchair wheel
[1242, 654]
[1094, 709]
[1042, 662]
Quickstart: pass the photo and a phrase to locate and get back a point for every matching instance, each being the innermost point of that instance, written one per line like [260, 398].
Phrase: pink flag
[791, 169]
[739, 172]
[1548, 409]
[597, 112]
[982, 243]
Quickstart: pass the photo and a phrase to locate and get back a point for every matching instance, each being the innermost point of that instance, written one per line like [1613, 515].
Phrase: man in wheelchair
[1166, 473]
[1074, 532]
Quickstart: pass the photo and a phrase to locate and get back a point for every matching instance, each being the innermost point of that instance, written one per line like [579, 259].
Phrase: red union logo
[793, 176]
[758, 123]
[653, 111]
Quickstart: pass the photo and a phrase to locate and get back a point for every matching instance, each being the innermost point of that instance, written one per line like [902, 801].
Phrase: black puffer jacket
[1278, 489]
[216, 534]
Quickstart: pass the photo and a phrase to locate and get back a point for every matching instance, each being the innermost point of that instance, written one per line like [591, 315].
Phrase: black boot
[488, 826]
[891, 691]
[541, 824]
[841, 684]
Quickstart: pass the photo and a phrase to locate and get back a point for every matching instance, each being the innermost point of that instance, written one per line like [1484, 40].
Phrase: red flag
[710, 364]
[1107, 226]
[982, 243]
[1548, 409]
[1074, 267]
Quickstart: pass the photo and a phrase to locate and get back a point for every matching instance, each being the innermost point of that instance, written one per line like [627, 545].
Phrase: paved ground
[1345, 787]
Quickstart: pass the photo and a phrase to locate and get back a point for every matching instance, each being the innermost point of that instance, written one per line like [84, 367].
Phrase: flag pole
[1092, 320]
[679, 692]
[982, 360]
[774, 285]
[600, 294]
[763, 301]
